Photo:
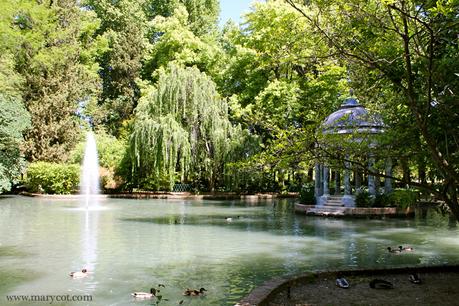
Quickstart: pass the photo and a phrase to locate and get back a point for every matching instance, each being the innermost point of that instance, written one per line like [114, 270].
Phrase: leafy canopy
[182, 127]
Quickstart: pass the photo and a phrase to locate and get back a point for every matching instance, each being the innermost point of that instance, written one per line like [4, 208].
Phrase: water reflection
[89, 240]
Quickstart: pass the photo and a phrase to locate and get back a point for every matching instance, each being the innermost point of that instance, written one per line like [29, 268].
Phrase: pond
[134, 245]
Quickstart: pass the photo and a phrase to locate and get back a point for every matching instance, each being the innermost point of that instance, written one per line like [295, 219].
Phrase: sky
[233, 9]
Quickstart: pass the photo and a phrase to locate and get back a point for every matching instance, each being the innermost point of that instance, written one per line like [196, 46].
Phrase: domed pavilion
[351, 119]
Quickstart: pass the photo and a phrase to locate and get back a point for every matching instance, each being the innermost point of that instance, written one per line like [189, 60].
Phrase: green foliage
[14, 119]
[362, 198]
[202, 15]
[382, 200]
[181, 127]
[280, 88]
[54, 46]
[177, 43]
[52, 178]
[403, 198]
[124, 25]
[307, 195]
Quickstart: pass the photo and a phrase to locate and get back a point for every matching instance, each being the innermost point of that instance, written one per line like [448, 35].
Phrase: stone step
[335, 197]
[333, 205]
[326, 211]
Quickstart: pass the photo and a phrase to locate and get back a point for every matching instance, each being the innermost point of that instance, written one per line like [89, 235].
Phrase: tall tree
[14, 119]
[181, 128]
[54, 47]
[124, 23]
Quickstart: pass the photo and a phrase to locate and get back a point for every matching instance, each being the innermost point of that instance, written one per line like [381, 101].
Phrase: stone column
[388, 172]
[371, 178]
[347, 179]
[317, 182]
[326, 175]
[325, 190]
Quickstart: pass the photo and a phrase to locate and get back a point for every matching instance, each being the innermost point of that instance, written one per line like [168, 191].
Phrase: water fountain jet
[89, 186]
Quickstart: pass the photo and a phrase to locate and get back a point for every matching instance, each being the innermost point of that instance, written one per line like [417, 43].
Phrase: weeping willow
[181, 130]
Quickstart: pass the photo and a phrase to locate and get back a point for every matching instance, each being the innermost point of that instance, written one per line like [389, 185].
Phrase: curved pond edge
[175, 195]
[263, 294]
[354, 211]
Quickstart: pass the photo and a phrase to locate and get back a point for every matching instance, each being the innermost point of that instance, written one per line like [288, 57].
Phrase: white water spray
[89, 186]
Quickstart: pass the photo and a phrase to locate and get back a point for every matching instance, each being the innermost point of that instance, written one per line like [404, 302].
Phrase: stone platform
[338, 211]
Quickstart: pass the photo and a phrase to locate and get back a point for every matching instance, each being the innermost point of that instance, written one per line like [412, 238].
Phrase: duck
[229, 219]
[194, 292]
[414, 278]
[407, 249]
[79, 274]
[391, 250]
[381, 284]
[144, 295]
[342, 282]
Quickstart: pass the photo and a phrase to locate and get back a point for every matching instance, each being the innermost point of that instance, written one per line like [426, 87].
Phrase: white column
[347, 179]
[325, 190]
[326, 175]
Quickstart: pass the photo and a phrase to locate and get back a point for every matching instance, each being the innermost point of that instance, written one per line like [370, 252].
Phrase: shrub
[382, 200]
[362, 198]
[307, 195]
[403, 198]
[52, 177]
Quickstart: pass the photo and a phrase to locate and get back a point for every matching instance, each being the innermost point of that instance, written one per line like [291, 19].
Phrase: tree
[14, 120]
[54, 47]
[181, 128]
[124, 23]
[177, 43]
[202, 14]
[281, 83]
[412, 46]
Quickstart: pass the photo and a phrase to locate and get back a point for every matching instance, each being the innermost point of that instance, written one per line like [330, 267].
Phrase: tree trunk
[310, 172]
[422, 170]
[406, 171]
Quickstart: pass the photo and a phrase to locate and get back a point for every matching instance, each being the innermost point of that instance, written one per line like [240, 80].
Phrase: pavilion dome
[351, 118]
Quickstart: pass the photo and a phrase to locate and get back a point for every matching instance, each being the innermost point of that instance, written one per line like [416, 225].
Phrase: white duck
[79, 274]
[144, 295]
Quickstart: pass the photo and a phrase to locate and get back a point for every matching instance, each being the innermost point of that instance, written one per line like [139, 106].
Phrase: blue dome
[352, 118]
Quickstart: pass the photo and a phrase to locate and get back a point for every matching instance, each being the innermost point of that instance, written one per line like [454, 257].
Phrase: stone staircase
[334, 201]
[333, 207]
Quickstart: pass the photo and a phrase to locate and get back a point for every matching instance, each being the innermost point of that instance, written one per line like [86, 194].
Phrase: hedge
[52, 178]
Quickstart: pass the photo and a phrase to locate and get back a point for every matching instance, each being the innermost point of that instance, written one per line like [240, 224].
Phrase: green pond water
[134, 245]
